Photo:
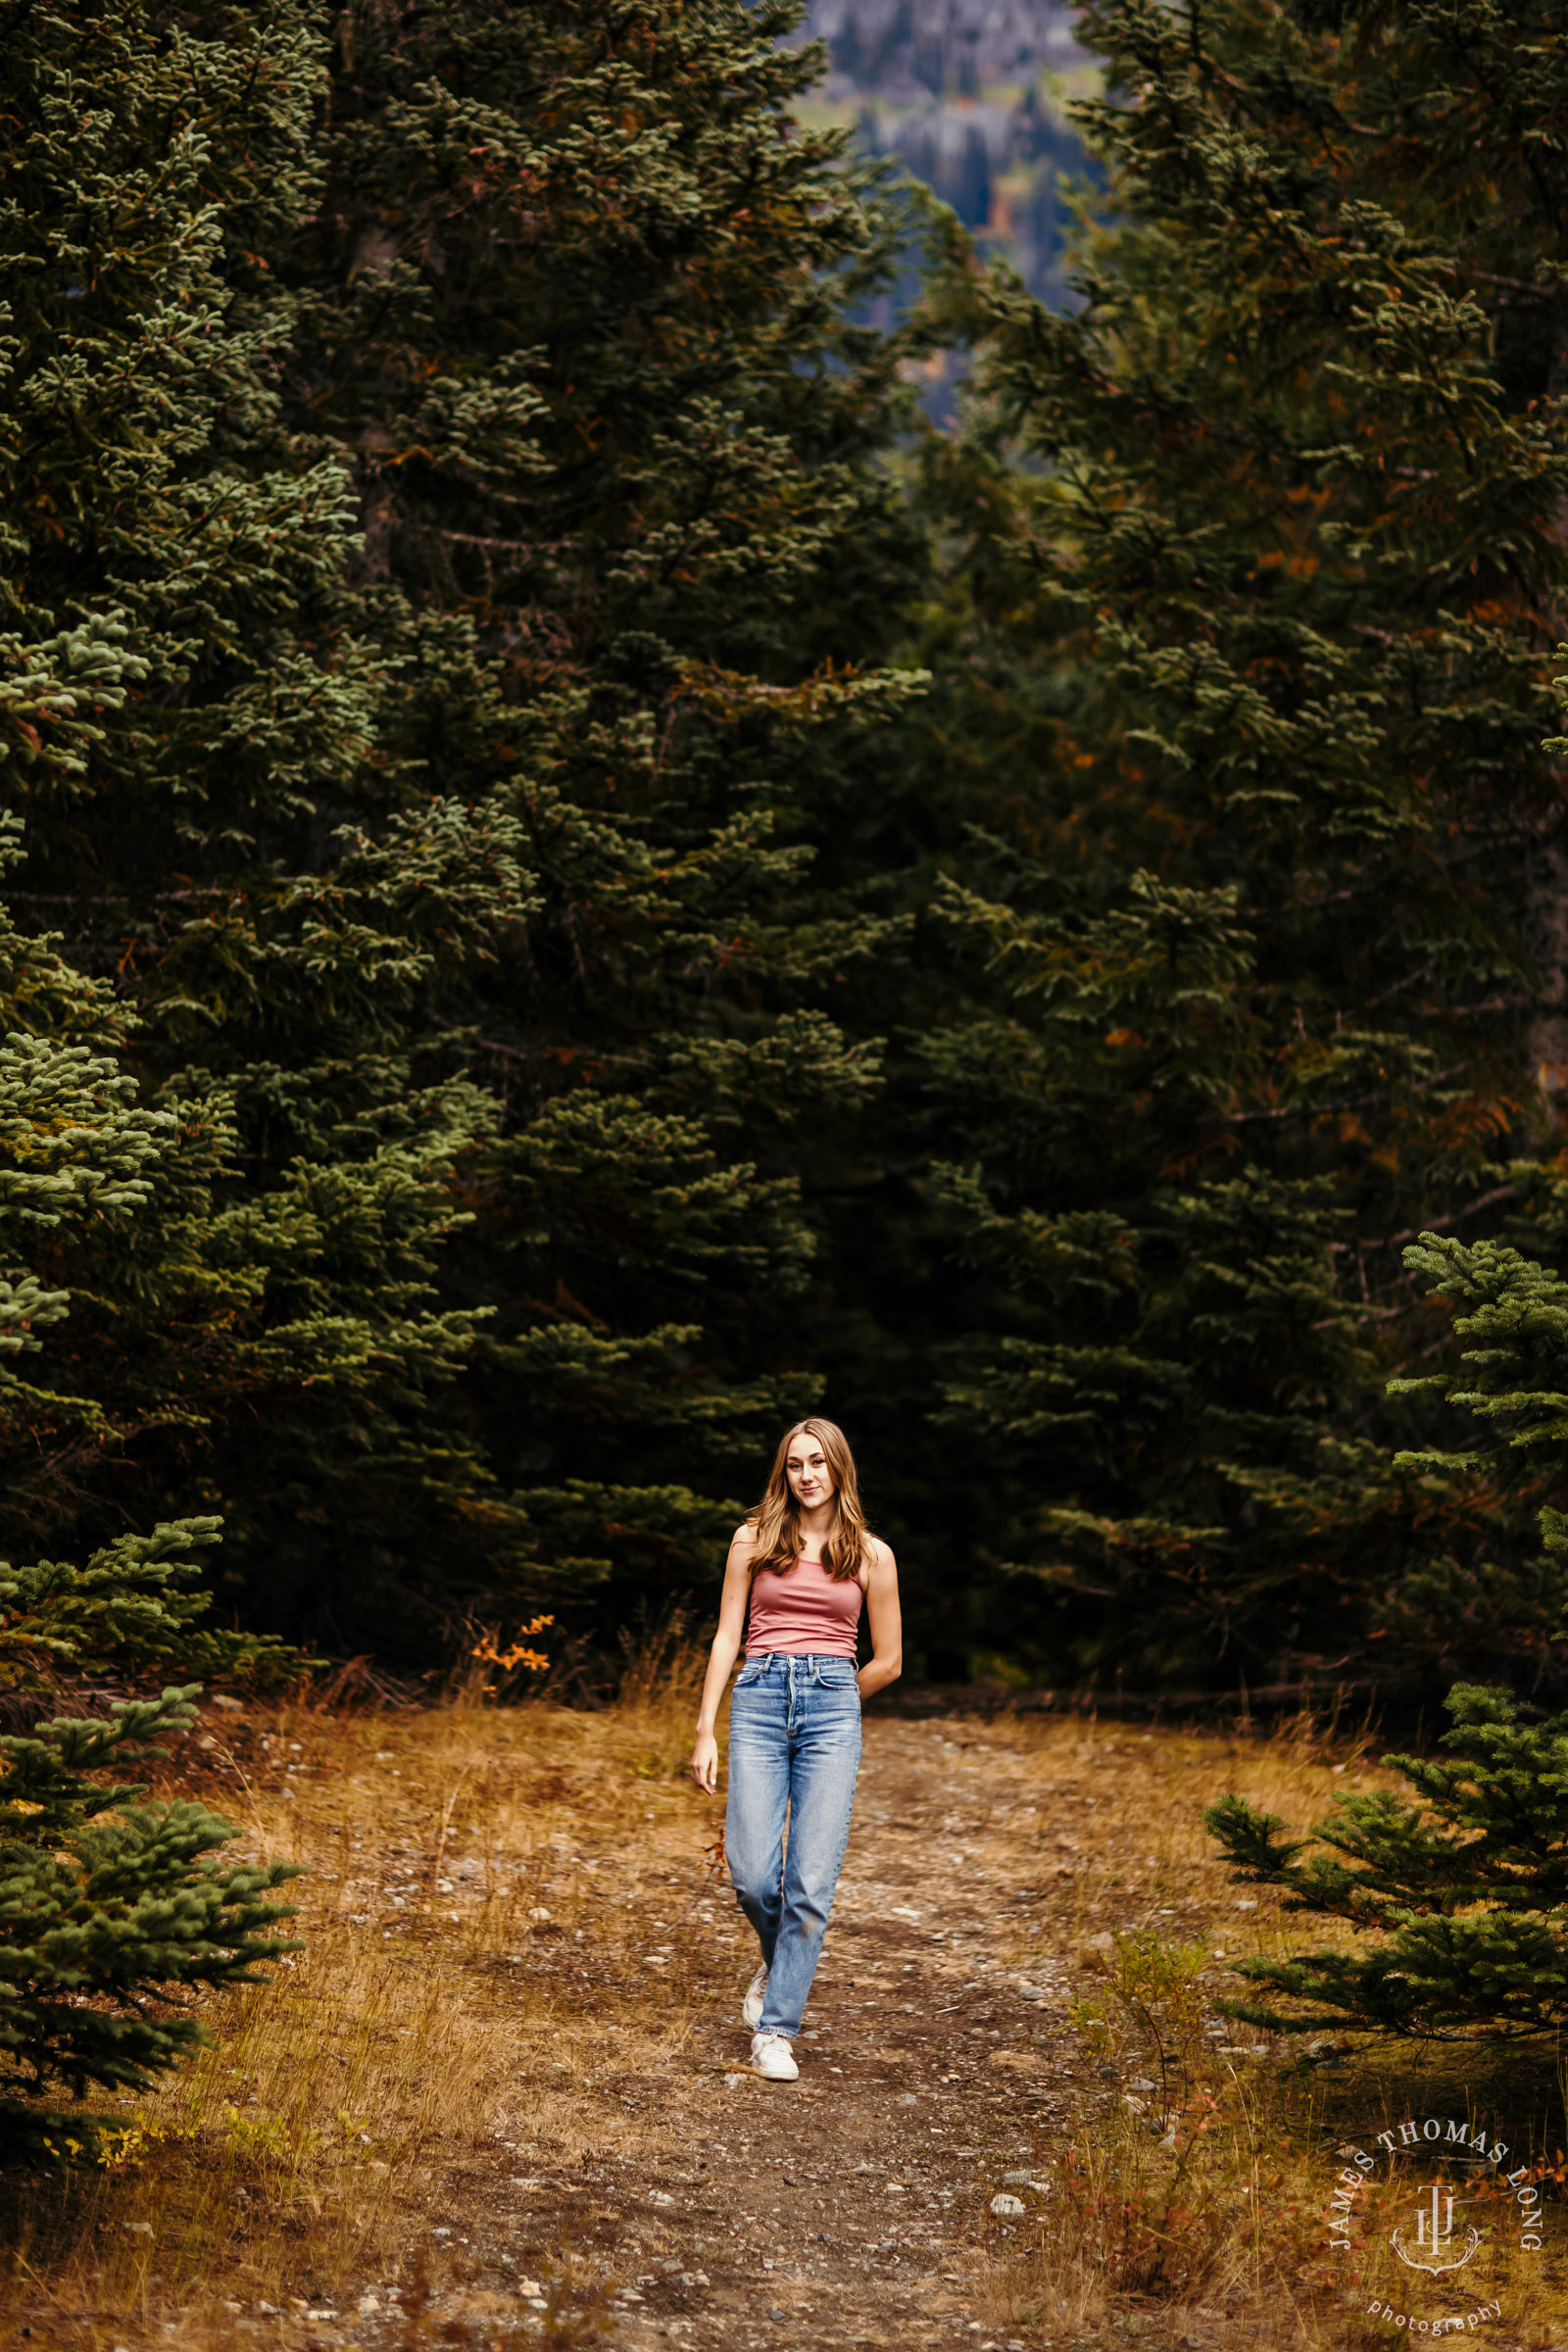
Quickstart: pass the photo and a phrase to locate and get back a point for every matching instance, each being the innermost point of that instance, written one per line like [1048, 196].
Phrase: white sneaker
[756, 1995]
[772, 2058]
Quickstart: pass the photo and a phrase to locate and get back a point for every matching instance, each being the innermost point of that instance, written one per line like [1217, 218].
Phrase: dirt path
[500, 2097]
[853, 2206]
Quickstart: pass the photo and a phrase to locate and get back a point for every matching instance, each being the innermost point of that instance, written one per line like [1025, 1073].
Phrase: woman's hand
[722, 1656]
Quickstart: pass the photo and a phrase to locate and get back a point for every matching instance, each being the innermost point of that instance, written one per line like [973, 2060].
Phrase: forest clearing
[657, 812]
[497, 2097]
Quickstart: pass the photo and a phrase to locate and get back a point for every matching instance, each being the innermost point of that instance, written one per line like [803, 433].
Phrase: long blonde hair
[777, 1517]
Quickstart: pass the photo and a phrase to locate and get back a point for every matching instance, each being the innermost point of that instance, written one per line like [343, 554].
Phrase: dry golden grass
[468, 2042]
[1203, 2198]
[293, 2161]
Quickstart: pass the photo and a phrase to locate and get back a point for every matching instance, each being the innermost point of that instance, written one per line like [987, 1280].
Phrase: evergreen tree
[108, 1907]
[575, 309]
[1243, 672]
[1465, 1890]
[273, 903]
[111, 1908]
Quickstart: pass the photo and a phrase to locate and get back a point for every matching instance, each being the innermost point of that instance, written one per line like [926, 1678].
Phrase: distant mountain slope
[906, 50]
[969, 95]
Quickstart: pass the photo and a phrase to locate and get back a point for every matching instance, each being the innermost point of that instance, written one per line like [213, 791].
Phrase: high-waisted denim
[794, 1741]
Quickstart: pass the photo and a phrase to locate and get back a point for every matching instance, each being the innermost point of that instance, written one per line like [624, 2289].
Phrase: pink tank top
[806, 1613]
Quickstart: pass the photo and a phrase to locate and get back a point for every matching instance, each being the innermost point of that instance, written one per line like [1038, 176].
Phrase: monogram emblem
[1430, 2243]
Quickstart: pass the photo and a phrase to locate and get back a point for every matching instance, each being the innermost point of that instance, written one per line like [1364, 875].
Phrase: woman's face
[806, 1468]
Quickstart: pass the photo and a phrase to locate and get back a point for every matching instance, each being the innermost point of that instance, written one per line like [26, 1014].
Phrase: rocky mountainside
[909, 51]
[969, 94]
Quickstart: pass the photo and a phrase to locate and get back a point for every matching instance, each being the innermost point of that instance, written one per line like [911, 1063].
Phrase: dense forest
[586, 876]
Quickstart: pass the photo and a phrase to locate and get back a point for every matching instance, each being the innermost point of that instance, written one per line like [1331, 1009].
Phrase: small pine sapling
[1465, 1890]
[111, 1908]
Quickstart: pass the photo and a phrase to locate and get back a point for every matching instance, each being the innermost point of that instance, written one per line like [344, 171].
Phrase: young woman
[805, 1563]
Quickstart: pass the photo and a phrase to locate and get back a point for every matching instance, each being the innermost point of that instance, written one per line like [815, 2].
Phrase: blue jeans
[795, 1740]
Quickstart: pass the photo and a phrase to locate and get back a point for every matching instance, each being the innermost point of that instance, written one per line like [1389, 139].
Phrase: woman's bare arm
[886, 1662]
[722, 1656]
